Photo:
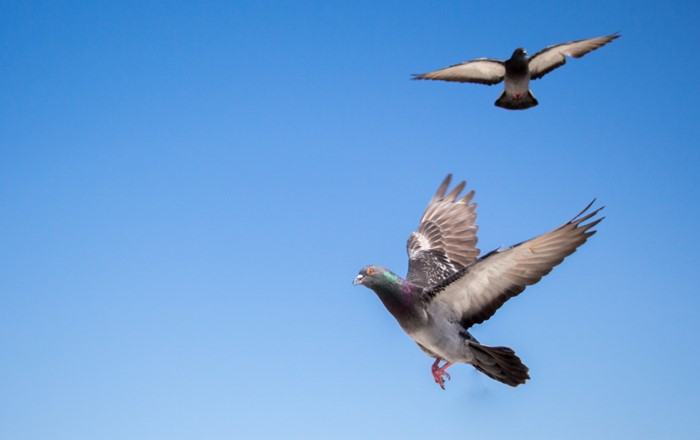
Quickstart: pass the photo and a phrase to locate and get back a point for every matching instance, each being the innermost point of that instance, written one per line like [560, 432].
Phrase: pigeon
[518, 70]
[449, 288]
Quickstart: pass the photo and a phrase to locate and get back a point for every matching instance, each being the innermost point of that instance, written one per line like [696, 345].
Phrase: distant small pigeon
[449, 288]
[518, 70]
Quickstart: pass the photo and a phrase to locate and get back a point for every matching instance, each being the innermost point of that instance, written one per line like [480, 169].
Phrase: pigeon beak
[358, 280]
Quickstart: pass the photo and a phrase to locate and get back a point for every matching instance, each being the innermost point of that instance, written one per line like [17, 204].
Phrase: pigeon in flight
[517, 71]
[449, 288]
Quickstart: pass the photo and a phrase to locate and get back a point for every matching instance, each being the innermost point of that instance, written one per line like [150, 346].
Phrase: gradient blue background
[187, 190]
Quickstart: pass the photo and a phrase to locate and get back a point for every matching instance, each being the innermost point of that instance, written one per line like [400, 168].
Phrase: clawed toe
[439, 373]
[440, 380]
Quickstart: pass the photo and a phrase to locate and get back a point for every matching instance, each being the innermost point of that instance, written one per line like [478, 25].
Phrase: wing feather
[481, 71]
[552, 57]
[476, 292]
[445, 240]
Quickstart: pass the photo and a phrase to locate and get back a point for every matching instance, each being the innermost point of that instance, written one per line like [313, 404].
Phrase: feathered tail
[512, 103]
[499, 363]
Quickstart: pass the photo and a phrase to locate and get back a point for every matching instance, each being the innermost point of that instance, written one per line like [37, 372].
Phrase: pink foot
[518, 95]
[439, 372]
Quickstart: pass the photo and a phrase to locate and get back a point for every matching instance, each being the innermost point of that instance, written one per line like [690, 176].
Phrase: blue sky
[188, 189]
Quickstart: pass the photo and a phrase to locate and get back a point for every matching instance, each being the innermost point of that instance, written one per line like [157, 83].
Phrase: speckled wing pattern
[552, 57]
[481, 71]
[445, 240]
[475, 293]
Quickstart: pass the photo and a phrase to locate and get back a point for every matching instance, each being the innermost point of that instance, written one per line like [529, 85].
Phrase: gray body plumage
[448, 288]
[517, 71]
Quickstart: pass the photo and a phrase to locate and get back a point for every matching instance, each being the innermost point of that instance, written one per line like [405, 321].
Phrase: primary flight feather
[448, 288]
[518, 70]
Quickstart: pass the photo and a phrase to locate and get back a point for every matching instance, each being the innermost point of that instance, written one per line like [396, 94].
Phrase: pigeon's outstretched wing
[476, 292]
[482, 71]
[445, 240]
[552, 57]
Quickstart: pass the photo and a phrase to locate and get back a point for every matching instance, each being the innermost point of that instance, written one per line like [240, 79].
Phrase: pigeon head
[519, 53]
[397, 294]
[371, 276]
[378, 278]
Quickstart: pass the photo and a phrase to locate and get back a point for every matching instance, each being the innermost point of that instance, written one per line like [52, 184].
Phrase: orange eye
[370, 271]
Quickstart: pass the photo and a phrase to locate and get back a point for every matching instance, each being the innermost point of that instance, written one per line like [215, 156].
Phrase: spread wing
[445, 240]
[475, 293]
[552, 57]
[482, 71]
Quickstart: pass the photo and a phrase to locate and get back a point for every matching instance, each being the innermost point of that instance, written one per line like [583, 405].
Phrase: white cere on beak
[358, 279]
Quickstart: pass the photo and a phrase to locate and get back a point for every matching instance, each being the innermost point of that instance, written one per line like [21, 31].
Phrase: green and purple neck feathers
[398, 295]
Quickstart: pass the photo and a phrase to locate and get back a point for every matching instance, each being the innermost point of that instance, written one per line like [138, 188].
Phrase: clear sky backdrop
[187, 190]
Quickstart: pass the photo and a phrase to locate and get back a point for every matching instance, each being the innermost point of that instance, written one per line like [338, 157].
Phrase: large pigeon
[449, 288]
[518, 70]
